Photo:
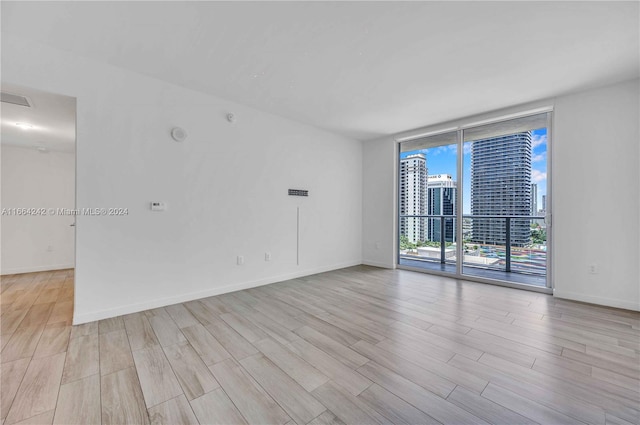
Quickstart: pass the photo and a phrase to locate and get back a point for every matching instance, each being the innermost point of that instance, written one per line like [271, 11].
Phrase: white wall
[596, 218]
[595, 196]
[31, 179]
[225, 187]
[379, 194]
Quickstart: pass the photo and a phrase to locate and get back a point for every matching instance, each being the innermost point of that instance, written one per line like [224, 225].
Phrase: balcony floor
[511, 277]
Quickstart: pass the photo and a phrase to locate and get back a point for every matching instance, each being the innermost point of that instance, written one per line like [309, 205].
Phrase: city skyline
[443, 160]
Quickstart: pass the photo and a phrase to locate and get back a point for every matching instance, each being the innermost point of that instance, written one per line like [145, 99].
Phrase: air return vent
[14, 99]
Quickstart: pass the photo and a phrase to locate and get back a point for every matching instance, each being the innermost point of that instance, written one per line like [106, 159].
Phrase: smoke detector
[179, 134]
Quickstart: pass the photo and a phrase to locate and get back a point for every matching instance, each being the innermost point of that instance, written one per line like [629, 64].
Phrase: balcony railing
[501, 242]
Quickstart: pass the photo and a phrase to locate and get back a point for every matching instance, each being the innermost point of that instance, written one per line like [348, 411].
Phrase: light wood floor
[356, 346]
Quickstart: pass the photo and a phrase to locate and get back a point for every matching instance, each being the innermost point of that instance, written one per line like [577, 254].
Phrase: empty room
[306, 212]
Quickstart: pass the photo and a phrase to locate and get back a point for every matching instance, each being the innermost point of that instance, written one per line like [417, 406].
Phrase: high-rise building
[534, 199]
[544, 203]
[413, 196]
[441, 196]
[501, 186]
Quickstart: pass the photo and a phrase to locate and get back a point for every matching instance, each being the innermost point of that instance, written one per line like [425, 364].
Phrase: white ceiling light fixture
[231, 117]
[42, 149]
[178, 134]
[24, 125]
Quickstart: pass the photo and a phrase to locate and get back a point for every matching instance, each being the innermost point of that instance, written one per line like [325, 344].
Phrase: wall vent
[298, 192]
[14, 99]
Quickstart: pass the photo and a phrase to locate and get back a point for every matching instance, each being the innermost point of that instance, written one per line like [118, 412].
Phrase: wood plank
[157, 379]
[394, 408]
[181, 315]
[139, 331]
[326, 418]
[37, 314]
[83, 358]
[9, 323]
[271, 328]
[110, 325]
[426, 379]
[193, 375]
[485, 408]
[176, 411]
[164, 327]
[48, 295]
[79, 402]
[526, 407]
[434, 406]
[38, 391]
[84, 329]
[11, 374]
[235, 344]
[442, 369]
[45, 418]
[62, 312]
[23, 343]
[250, 399]
[207, 347]
[332, 368]
[115, 352]
[54, 340]
[601, 363]
[122, 399]
[201, 312]
[616, 379]
[298, 404]
[348, 408]
[244, 327]
[527, 383]
[337, 350]
[299, 370]
[215, 408]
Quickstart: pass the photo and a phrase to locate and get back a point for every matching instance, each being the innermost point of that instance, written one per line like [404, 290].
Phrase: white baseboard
[35, 269]
[376, 264]
[161, 302]
[609, 302]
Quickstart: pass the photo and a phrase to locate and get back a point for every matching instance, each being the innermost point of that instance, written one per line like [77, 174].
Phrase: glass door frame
[459, 213]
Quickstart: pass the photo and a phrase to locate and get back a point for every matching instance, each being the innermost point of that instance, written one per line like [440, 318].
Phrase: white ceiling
[362, 69]
[52, 118]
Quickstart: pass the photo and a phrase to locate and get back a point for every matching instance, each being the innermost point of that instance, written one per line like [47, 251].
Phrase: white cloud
[538, 176]
[537, 140]
[539, 157]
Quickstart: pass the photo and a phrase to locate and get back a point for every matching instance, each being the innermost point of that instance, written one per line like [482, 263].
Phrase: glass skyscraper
[413, 196]
[441, 195]
[501, 185]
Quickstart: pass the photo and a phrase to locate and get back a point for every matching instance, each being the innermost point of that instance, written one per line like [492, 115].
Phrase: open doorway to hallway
[38, 179]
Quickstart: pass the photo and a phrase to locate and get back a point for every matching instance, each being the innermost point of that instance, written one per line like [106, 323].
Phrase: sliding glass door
[428, 203]
[478, 194]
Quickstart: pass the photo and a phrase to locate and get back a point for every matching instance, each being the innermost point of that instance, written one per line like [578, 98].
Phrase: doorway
[38, 178]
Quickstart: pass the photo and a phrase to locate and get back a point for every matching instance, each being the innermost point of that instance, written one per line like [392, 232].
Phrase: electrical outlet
[267, 256]
[592, 268]
[240, 260]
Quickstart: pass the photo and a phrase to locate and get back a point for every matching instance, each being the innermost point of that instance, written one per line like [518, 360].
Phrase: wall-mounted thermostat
[158, 206]
[298, 192]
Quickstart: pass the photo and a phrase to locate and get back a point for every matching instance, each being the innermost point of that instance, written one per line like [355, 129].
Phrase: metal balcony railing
[507, 220]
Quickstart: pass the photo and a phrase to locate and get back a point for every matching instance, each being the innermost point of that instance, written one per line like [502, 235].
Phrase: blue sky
[442, 160]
